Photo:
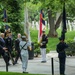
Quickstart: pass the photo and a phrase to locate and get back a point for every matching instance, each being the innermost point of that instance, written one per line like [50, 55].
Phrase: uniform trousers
[24, 56]
[5, 57]
[62, 65]
[43, 54]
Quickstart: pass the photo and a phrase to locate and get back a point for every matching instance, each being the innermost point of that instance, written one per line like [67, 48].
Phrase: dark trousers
[62, 65]
[17, 57]
[5, 57]
[10, 56]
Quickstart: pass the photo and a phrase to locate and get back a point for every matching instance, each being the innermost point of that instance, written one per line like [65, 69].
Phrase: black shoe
[9, 64]
[62, 74]
[43, 61]
[15, 63]
[25, 72]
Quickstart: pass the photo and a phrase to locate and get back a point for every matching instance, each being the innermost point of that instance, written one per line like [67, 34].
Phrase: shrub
[71, 49]
[36, 49]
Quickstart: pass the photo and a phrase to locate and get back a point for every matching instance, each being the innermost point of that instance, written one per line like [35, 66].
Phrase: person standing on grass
[24, 45]
[61, 46]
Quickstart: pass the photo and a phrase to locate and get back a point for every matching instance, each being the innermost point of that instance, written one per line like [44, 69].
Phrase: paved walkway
[36, 67]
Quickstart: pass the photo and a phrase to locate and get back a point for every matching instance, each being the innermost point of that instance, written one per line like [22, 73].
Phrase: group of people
[60, 48]
[6, 47]
[21, 45]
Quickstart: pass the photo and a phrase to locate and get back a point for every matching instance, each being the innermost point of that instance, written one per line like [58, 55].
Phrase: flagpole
[26, 25]
[25, 18]
[5, 20]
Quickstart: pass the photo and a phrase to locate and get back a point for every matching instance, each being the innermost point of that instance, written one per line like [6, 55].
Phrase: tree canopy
[15, 10]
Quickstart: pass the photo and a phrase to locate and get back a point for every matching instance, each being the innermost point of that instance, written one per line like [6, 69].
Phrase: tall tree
[14, 14]
[53, 7]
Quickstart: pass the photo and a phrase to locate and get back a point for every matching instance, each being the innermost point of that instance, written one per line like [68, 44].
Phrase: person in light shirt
[24, 45]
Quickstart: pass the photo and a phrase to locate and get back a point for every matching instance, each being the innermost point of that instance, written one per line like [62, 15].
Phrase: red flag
[40, 28]
[40, 24]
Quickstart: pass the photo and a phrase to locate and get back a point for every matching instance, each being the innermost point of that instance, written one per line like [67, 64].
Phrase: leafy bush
[13, 53]
[36, 49]
[71, 49]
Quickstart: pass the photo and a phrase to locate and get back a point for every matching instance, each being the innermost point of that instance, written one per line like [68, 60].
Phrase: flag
[64, 23]
[7, 27]
[5, 16]
[64, 18]
[41, 25]
[43, 20]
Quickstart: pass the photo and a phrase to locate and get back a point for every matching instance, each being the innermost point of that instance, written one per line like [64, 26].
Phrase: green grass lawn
[15, 73]
[52, 42]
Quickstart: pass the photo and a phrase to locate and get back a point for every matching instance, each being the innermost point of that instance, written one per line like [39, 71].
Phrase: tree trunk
[53, 26]
[58, 22]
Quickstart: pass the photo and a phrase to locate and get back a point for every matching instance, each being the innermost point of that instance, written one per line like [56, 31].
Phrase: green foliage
[14, 15]
[33, 12]
[71, 49]
[56, 6]
[52, 42]
[70, 34]
[34, 38]
[70, 7]
[36, 49]
[1, 27]
[13, 53]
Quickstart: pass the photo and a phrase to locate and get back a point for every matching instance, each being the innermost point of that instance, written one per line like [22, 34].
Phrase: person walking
[3, 49]
[24, 45]
[17, 48]
[9, 42]
[61, 46]
[43, 43]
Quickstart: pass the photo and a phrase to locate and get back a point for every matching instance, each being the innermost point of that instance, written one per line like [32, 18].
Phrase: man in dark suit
[61, 55]
[17, 48]
[8, 41]
[3, 49]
